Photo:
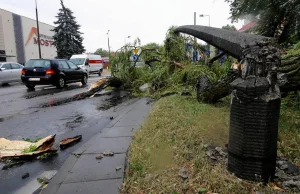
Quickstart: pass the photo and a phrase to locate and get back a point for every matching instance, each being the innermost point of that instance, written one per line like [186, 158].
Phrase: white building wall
[9, 36]
[31, 49]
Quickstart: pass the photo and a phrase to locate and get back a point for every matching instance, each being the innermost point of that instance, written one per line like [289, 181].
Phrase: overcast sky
[147, 19]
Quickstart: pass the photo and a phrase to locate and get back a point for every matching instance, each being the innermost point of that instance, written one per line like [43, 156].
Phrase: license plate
[34, 79]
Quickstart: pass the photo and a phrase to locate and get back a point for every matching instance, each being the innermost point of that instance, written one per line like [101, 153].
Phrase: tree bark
[289, 72]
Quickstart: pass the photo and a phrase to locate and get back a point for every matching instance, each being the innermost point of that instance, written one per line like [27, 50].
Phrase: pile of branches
[289, 71]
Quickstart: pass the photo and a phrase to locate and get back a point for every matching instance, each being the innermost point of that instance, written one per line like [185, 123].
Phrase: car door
[6, 73]
[64, 67]
[76, 71]
[16, 71]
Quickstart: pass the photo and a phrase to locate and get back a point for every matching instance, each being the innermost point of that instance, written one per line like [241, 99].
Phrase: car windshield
[78, 61]
[38, 63]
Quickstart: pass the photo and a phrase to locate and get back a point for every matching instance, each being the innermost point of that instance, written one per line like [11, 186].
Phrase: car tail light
[50, 72]
[23, 72]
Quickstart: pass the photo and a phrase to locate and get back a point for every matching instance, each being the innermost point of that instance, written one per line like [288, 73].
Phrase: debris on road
[118, 168]
[67, 142]
[15, 149]
[96, 87]
[111, 118]
[26, 175]
[99, 157]
[108, 153]
[12, 164]
[183, 173]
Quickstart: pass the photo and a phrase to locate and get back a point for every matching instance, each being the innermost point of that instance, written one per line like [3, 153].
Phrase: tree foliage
[67, 38]
[276, 18]
[229, 27]
[102, 52]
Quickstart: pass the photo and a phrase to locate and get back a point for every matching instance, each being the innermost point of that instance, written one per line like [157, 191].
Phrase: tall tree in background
[102, 52]
[67, 38]
[276, 18]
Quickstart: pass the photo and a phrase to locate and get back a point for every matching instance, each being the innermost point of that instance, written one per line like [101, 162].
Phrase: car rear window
[38, 63]
[78, 61]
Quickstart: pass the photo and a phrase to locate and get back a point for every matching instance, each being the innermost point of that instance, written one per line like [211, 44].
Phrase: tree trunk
[289, 72]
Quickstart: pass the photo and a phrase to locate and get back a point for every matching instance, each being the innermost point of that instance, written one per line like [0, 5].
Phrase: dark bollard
[254, 115]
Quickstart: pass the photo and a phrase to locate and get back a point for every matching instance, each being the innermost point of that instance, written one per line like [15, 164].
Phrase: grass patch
[31, 148]
[172, 137]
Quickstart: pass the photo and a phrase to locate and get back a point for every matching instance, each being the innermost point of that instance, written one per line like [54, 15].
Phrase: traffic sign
[135, 50]
[135, 57]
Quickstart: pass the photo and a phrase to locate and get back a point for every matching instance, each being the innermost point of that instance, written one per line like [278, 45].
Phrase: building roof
[247, 27]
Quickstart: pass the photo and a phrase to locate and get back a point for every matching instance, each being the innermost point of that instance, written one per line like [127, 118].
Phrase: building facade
[19, 41]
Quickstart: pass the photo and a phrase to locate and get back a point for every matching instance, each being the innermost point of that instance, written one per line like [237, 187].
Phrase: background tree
[229, 27]
[278, 18]
[67, 37]
[102, 52]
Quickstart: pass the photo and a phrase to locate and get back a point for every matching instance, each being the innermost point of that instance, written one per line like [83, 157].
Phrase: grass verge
[172, 137]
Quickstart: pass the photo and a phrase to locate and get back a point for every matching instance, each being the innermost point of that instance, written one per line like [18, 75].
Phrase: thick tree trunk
[289, 72]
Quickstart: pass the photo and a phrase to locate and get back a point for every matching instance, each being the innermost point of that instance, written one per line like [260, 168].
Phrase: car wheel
[84, 79]
[61, 83]
[31, 87]
[100, 72]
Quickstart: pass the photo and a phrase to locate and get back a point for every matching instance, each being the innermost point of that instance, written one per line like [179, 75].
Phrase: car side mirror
[87, 62]
[2, 69]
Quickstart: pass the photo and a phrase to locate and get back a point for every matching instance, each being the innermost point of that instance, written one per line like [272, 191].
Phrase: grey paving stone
[88, 168]
[120, 131]
[128, 122]
[111, 186]
[116, 145]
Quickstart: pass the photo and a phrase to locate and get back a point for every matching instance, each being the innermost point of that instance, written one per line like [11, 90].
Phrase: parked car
[91, 63]
[10, 72]
[55, 72]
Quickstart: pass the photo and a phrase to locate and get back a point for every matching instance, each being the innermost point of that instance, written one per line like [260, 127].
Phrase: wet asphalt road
[22, 116]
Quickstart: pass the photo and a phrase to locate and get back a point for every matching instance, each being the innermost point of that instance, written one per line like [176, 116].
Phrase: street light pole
[38, 30]
[201, 15]
[108, 43]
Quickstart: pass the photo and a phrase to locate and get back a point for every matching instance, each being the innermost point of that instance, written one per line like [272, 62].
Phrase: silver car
[10, 72]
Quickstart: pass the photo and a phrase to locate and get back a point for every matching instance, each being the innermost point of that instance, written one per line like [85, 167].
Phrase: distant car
[10, 72]
[90, 62]
[55, 72]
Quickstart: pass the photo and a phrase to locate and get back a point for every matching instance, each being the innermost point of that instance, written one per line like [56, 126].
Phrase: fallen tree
[288, 77]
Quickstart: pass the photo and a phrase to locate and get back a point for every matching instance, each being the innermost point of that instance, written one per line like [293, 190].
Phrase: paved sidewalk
[83, 173]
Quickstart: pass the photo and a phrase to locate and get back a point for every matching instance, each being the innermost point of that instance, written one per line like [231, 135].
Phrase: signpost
[135, 56]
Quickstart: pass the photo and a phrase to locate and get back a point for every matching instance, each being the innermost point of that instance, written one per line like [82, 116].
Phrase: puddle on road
[50, 91]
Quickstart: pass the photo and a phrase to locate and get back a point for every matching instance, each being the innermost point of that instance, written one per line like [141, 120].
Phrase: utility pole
[38, 30]
[108, 43]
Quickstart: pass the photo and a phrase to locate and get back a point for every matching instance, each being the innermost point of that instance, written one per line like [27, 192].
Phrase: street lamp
[108, 43]
[38, 29]
[201, 15]
[126, 38]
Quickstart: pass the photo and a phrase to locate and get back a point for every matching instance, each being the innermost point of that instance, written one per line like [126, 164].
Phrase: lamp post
[125, 39]
[38, 30]
[108, 43]
[201, 15]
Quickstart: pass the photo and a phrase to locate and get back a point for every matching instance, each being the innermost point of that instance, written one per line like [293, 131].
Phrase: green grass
[31, 148]
[178, 127]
